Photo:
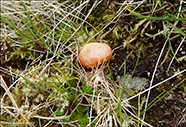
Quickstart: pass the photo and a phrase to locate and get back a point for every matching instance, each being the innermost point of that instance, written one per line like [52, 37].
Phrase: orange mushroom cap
[93, 54]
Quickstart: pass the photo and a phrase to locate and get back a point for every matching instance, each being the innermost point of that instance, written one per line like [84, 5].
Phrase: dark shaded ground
[171, 108]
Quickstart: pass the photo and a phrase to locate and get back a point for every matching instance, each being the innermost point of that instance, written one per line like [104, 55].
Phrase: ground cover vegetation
[43, 83]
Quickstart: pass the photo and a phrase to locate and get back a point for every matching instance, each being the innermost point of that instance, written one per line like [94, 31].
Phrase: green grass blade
[177, 29]
[111, 74]
[147, 17]
[159, 98]
[172, 49]
[32, 24]
[83, 81]
[35, 84]
[68, 83]
[54, 86]
[156, 18]
[126, 117]
[135, 66]
[63, 88]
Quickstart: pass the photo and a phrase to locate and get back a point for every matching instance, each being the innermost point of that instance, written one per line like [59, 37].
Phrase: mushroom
[93, 54]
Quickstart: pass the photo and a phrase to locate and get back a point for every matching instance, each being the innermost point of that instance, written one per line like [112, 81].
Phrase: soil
[170, 109]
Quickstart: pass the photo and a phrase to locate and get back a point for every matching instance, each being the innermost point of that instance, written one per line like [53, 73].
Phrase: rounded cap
[93, 54]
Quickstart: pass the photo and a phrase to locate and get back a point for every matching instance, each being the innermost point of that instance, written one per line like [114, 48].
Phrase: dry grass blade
[3, 84]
